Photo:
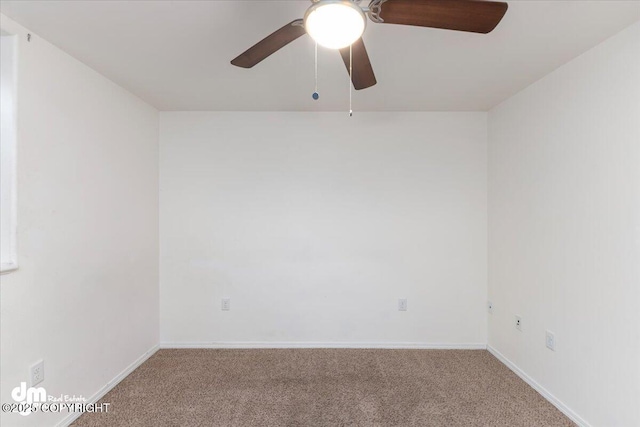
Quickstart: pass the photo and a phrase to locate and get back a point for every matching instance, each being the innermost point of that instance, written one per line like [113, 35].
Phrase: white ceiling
[175, 54]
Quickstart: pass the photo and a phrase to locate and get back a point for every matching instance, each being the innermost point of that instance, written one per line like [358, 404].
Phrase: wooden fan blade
[270, 44]
[475, 16]
[362, 75]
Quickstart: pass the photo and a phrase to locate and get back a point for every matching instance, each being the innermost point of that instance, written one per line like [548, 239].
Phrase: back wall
[315, 224]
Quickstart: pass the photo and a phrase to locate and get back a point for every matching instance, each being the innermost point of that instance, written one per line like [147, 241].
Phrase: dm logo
[28, 397]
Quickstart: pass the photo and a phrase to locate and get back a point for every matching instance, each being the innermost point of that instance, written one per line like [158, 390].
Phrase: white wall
[314, 224]
[564, 234]
[85, 297]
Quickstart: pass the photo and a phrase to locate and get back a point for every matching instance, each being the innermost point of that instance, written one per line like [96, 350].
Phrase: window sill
[8, 267]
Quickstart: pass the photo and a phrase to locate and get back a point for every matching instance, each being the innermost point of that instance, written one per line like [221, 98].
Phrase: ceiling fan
[339, 24]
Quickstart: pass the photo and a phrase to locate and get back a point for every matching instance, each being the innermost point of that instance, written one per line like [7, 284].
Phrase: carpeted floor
[324, 387]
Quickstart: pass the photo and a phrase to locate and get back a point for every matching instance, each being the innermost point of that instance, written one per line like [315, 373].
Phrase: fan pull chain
[316, 95]
[350, 79]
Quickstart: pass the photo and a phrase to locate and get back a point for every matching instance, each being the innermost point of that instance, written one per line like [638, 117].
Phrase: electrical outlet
[551, 341]
[519, 323]
[490, 307]
[226, 304]
[37, 373]
[402, 304]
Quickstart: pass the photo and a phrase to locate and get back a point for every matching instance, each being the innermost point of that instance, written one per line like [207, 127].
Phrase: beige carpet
[323, 387]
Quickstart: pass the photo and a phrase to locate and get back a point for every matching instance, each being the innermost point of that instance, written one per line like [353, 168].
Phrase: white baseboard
[66, 421]
[315, 344]
[537, 387]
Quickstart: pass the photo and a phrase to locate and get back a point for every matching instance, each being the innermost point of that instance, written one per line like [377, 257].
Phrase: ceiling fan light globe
[335, 24]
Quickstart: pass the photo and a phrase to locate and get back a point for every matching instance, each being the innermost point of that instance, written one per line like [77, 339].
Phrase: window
[8, 125]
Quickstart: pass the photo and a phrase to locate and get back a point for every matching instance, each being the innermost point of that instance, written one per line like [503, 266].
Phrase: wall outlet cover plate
[550, 340]
[36, 373]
